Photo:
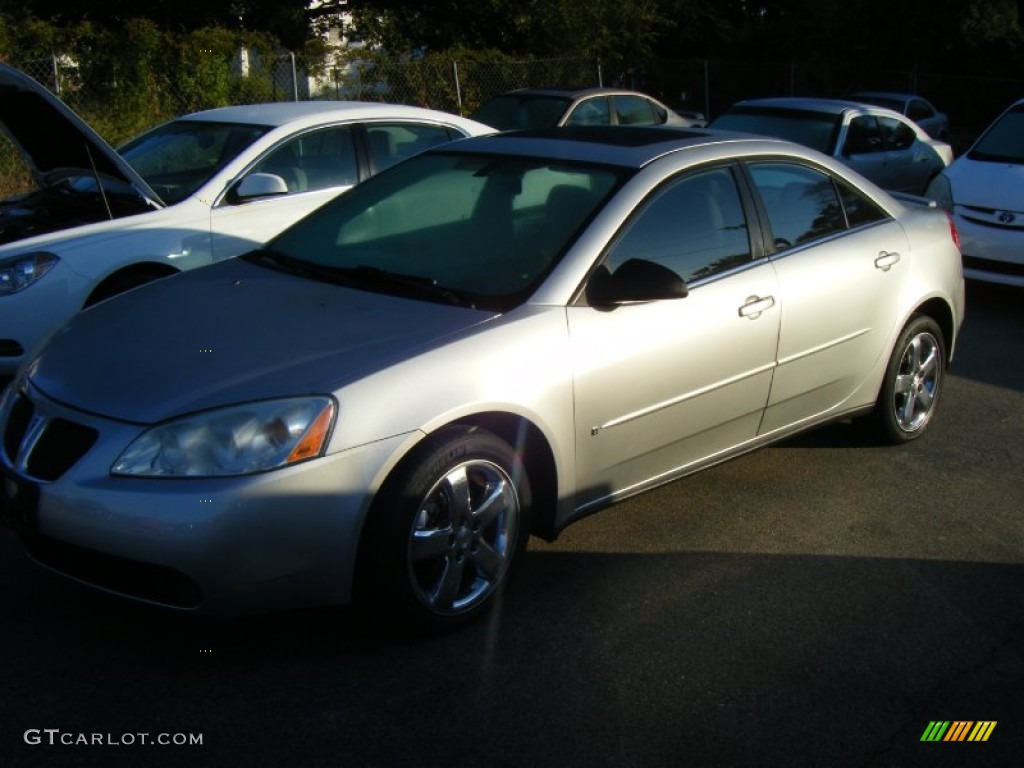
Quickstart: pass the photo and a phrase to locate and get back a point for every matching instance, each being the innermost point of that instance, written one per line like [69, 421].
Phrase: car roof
[573, 93]
[885, 95]
[626, 146]
[808, 104]
[281, 113]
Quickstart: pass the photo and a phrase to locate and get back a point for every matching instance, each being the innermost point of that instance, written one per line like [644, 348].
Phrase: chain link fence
[122, 103]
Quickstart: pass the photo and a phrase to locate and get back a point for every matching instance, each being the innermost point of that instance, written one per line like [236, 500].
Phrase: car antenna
[99, 184]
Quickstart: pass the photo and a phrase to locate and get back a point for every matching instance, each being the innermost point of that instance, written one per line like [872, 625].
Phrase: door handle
[885, 260]
[755, 305]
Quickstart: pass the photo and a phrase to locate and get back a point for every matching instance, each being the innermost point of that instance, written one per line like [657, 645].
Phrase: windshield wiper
[283, 263]
[362, 275]
[423, 286]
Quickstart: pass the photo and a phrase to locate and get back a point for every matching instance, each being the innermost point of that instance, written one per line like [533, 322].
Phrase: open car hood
[53, 139]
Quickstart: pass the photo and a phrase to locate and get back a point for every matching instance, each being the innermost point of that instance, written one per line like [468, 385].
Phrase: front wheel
[913, 381]
[445, 531]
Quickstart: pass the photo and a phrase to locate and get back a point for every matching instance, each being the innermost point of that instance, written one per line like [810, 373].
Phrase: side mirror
[259, 185]
[634, 281]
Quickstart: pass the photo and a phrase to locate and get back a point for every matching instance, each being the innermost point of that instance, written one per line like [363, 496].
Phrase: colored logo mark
[958, 730]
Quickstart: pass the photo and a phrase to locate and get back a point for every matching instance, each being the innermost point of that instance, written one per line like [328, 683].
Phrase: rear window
[816, 130]
[514, 112]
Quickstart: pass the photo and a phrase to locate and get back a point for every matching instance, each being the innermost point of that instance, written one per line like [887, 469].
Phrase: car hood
[233, 332]
[983, 184]
[53, 140]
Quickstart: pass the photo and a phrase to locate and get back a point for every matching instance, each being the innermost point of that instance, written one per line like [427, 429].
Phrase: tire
[445, 531]
[913, 382]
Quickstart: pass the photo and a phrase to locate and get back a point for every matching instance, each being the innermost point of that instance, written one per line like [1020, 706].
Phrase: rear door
[911, 162]
[840, 266]
[864, 150]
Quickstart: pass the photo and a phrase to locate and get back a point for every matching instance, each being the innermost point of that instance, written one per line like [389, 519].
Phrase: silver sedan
[879, 143]
[486, 341]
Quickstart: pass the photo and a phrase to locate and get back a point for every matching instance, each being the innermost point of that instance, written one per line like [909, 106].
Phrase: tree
[289, 20]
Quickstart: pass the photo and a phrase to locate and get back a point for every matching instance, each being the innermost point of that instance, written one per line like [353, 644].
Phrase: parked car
[493, 338]
[984, 191]
[917, 108]
[880, 144]
[196, 190]
[530, 108]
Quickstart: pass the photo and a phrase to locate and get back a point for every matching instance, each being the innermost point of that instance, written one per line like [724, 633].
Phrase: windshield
[483, 228]
[177, 158]
[816, 130]
[1004, 141]
[513, 112]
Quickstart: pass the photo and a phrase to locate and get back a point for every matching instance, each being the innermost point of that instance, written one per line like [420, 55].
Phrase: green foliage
[126, 80]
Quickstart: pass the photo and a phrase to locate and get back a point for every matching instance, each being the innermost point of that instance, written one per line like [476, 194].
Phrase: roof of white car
[287, 112]
[886, 95]
[827, 106]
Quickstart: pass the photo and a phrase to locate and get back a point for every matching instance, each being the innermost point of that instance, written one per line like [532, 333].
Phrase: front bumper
[279, 539]
[991, 253]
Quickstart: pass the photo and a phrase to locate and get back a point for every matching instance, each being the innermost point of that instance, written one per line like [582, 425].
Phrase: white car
[917, 108]
[192, 191]
[984, 191]
[880, 144]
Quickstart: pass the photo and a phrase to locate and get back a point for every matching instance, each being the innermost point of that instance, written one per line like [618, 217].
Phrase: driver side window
[695, 226]
[315, 160]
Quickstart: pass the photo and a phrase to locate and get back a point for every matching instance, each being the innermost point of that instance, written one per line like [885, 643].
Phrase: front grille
[995, 267]
[993, 217]
[50, 453]
[154, 583]
[17, 424]
[61, 445]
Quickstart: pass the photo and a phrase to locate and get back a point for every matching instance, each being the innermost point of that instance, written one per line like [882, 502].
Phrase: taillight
[952, 230]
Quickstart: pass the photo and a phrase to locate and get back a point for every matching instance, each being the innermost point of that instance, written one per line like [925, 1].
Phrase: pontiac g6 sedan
[486, 341]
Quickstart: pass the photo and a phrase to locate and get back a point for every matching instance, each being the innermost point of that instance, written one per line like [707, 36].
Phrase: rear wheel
[445, 531]
[913, 381]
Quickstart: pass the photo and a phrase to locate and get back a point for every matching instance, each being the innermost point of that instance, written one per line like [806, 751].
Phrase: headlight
[238, 440]
[20, 272]
[941, 192]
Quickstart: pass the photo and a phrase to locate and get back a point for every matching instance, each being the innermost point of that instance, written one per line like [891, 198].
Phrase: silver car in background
[531, 108]
[880, 144]
[485, 341]
[915, 107]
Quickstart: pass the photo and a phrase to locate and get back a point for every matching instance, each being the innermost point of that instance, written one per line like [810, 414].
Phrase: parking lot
[816, 603]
